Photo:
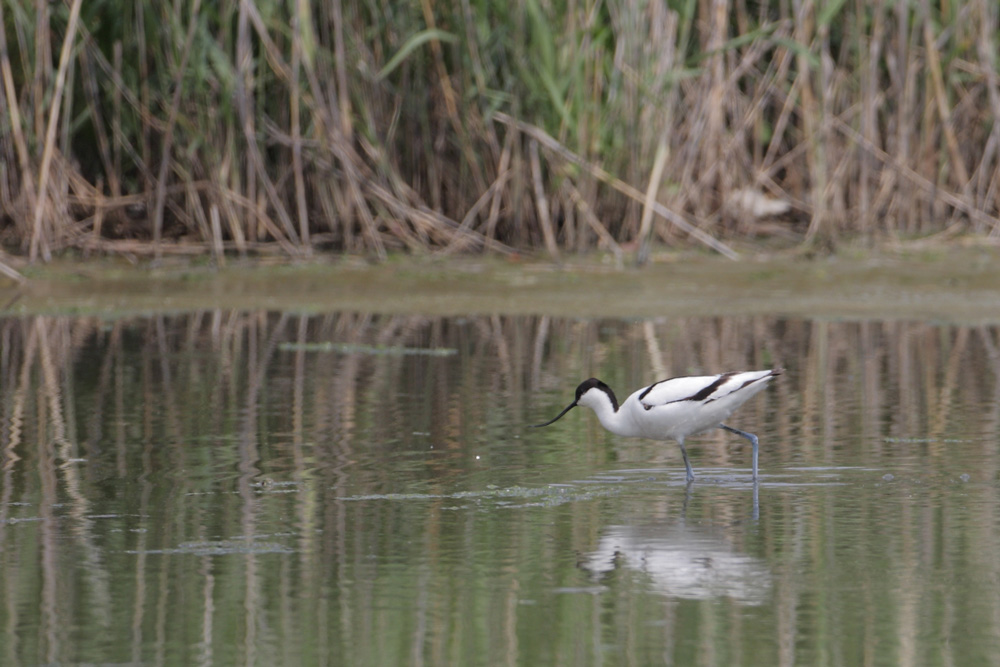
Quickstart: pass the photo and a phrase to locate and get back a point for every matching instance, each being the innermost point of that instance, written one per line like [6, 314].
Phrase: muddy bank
[961, 285]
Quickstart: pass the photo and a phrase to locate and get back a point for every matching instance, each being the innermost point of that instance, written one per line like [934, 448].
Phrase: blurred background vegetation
[256, 126]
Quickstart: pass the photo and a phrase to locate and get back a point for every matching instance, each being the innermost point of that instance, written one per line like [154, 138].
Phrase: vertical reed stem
[300, 185]
[541, 202]
[168, 135]
[38, 240]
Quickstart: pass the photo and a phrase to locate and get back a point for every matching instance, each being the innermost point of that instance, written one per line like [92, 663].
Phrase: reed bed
[258, 126]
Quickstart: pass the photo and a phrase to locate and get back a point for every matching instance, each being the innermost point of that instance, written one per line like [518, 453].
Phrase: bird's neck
[610, 416]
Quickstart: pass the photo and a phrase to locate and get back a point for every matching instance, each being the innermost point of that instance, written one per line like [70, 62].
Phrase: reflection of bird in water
[673, 409]
[682, 562]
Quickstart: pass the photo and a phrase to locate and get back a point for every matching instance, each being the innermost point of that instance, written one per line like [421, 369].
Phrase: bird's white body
[676, 408]
[671, 409]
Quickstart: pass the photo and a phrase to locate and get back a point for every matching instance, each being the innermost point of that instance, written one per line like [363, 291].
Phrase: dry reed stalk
[989, 22]
[450, 97]
[39, 242]
[340, 59]
[361, 207]
[216, 223]
[256, 211]
[712, 151]
[244, 87]
[503, 172]
[588, 214]
[120, 91]
[328, 208]
[98, 224]
[933, 191]
[399, 197]
[782, 123]
[870, 98]
[600, 174]
[298, 28]
[460, 238]
[92, 93]
[430, 222]
[235, 230]
[940, 97]
[905, 139]
[811, 119]
[413, 242]
[166, 148]
[9, 271]
[574, 233]
[43, 66]
[116, 121]
[652, 189]
[146, 147]
[253, 151]
[17, 131]
[541, 202]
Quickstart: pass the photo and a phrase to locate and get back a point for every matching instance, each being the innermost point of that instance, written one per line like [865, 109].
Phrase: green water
[233, 487]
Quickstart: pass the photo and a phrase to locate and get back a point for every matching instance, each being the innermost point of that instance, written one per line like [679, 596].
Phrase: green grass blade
[411, 45]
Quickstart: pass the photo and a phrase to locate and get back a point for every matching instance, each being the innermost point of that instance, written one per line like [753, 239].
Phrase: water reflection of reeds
[136, 453]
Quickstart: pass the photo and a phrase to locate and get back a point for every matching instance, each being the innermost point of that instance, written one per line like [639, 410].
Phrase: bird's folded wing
[702, 389]
[685, 389]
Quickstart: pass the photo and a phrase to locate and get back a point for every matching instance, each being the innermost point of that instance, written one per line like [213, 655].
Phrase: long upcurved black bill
[558, 416]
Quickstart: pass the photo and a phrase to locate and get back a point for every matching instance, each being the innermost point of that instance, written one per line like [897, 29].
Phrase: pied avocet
[673, 409]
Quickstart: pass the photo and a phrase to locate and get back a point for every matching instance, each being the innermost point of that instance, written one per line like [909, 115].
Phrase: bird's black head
[594, 383]
[585, 386]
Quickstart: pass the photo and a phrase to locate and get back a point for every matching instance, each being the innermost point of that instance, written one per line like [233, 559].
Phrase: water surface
[244, 487]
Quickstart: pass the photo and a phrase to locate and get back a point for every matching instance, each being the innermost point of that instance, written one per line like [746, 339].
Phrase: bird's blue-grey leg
[753, 441]
[687, 464]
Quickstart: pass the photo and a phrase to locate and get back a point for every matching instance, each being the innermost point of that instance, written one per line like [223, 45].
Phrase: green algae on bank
[953, 285]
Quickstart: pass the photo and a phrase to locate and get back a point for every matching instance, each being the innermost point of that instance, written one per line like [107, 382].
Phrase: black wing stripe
[701, 395]
[650, 388]
[710, 389]
[742, 386]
